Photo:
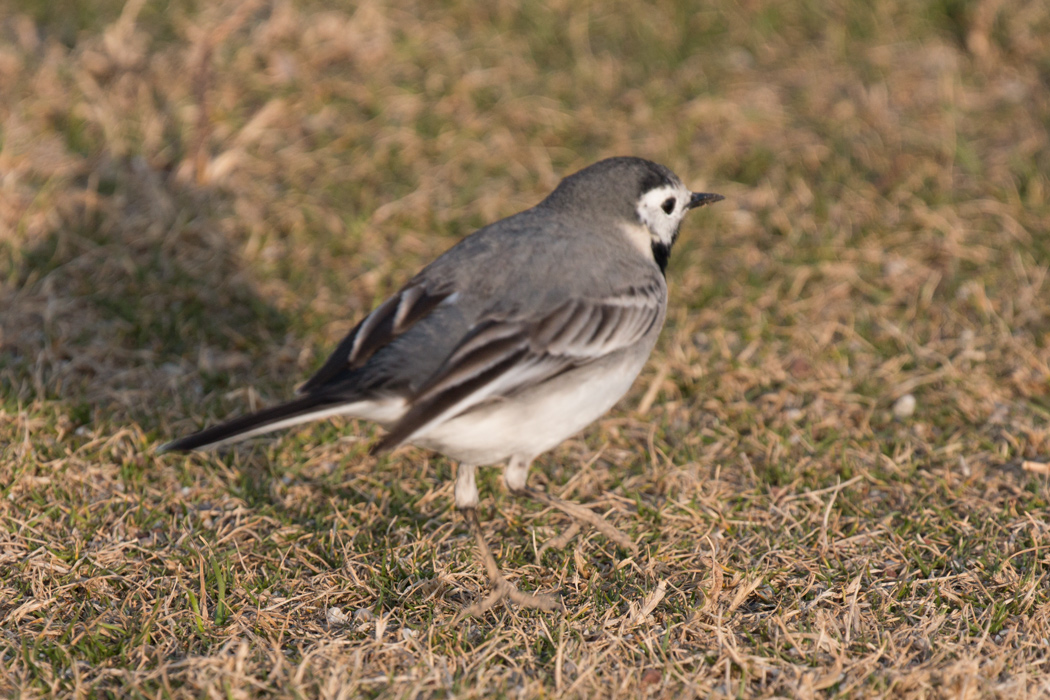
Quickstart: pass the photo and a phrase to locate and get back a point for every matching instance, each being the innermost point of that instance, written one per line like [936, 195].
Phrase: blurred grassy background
[836, 459]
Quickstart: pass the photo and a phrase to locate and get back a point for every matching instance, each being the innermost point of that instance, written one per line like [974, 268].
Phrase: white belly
[535, 420]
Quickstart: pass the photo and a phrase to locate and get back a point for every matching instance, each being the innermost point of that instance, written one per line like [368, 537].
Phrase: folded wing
[501, 356]
[376, 330]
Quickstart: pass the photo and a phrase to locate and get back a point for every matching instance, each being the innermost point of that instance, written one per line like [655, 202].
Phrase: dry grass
[835, 461]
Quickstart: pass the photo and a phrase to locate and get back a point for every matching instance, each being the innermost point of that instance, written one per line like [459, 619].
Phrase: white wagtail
[515, 339]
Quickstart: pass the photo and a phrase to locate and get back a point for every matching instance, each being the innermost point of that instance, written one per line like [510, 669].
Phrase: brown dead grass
[835, 461]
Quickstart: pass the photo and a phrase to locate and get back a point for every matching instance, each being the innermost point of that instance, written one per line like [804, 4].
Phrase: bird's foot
[502, 589]
[561, 541]
[581, 516]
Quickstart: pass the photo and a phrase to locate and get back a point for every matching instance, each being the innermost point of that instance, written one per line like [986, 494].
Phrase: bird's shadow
[126, 300]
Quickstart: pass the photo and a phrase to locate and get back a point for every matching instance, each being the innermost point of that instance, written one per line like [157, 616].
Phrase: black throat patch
[661, 254]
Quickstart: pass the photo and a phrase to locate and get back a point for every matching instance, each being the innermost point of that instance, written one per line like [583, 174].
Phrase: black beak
[699, 199]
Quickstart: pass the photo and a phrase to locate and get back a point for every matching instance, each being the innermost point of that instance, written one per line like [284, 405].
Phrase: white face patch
[662, 210]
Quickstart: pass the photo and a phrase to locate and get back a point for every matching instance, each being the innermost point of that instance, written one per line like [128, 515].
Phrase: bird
[515, 339]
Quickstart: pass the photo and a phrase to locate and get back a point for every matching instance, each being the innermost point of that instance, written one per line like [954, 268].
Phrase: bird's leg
[467, 502]
[516, 476]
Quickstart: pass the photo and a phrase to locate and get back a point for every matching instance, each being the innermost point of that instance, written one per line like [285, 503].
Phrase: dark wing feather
[500, 357]
[376, 330]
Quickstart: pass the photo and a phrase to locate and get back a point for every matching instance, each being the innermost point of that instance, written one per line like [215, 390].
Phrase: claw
[560, 541]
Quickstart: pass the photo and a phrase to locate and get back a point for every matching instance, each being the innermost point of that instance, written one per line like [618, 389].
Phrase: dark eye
[668, 205]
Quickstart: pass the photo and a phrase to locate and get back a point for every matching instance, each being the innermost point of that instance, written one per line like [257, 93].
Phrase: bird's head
[647, 199]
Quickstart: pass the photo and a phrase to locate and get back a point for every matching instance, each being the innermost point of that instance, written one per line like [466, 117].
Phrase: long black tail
[301, 410]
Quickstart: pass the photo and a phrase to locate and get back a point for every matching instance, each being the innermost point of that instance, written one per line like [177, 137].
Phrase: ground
[835, 463]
